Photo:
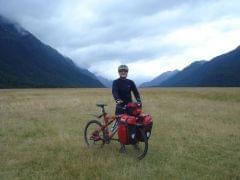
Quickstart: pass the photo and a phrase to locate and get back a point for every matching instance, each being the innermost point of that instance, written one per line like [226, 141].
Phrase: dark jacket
[122, 88]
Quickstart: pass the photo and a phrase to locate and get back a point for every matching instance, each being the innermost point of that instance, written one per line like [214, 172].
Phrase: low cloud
[151, 37]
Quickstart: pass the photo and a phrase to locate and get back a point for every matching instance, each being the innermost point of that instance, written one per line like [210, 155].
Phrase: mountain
[159, 79]
[106, 82]
[26, 62]
[221, 71]
[185, 75]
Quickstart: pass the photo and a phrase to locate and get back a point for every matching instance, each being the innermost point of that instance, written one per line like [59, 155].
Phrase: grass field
[196, 135]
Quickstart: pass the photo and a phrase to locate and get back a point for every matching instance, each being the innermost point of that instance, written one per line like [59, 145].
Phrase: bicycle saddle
[101, 104]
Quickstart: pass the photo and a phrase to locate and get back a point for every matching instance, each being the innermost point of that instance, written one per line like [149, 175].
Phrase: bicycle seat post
[103, 110]
[102, 107]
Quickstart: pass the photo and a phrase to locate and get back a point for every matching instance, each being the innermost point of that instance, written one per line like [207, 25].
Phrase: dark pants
[119, 109]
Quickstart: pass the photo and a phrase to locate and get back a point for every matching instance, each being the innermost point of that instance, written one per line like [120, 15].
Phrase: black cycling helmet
[122, 68]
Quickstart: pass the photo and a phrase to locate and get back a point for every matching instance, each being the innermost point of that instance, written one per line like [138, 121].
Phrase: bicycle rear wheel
[94, 137]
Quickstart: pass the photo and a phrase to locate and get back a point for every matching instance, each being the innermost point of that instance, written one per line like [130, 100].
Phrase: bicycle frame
[107, 120]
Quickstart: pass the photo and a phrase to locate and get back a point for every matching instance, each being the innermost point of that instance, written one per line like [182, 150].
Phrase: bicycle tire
[145, 141]
[88, 132]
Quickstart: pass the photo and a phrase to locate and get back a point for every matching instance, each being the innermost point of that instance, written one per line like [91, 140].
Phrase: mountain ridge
[220, 71]
[25, 61]
[159, 79]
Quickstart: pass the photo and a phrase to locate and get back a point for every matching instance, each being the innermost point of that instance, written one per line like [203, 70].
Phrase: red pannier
[127, 129]
[147, 122]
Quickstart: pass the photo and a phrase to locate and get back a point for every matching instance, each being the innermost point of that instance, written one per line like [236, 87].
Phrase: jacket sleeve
[115, 90]
[135, 92]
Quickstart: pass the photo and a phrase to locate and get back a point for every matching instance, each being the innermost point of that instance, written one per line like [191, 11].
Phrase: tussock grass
[196, 135]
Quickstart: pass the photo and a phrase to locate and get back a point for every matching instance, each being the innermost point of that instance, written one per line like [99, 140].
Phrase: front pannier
[147, 122]
[127, 129]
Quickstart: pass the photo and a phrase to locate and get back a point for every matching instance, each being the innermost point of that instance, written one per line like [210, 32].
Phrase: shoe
[123, 149]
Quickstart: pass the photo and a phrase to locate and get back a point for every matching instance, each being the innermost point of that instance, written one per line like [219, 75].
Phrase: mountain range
[221, 71]
[26, 62]
[159, 79]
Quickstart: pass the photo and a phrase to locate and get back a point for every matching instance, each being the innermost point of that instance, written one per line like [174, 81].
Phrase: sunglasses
[123, 70]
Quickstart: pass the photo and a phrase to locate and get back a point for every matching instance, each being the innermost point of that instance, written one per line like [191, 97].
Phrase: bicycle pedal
[95, 138]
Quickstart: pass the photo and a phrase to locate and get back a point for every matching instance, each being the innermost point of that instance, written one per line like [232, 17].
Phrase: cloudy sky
[151, 36]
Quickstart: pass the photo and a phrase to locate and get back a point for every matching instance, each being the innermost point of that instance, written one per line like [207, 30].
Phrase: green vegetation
[196, 135]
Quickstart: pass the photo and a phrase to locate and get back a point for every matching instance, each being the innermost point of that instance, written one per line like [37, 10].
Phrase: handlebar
[120, 106]
[125, 105]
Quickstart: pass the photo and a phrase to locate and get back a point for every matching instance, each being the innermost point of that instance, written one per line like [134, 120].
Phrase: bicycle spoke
[93, 137]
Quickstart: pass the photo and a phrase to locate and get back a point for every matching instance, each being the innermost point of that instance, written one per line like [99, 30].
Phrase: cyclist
[121, 90]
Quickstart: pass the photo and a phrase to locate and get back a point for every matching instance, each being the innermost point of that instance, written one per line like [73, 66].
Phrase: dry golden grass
[196, 134]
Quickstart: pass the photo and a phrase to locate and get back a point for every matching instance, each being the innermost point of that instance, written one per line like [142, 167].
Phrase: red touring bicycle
[133, 128]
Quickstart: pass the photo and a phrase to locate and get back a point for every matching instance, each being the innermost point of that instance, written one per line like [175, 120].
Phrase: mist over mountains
[26, 62]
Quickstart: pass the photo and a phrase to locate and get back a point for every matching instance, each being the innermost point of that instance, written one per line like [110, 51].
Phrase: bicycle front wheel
[93, 134]
[141, 147]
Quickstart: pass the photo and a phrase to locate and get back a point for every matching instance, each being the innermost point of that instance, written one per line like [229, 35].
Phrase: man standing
[121, 90]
